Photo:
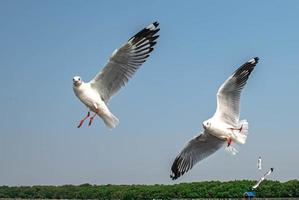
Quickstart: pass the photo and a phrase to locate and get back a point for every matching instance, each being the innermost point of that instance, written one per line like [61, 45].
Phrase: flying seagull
[259, 163]
[122, 64]
[223, 128]
[263, 178]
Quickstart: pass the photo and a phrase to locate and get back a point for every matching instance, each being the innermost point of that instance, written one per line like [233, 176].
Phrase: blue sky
[45, 43]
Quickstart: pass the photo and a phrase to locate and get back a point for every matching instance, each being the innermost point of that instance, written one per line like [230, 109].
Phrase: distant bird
[122, 64]
[259, 163]
[263, 178]
[223, 127]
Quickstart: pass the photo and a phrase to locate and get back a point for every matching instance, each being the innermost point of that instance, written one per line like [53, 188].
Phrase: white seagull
[259, 163]
[223, 127]
[122, 64]
[263, 178]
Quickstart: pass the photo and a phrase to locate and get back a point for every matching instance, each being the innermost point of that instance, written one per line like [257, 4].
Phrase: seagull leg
[82, 121]
[95, 114]
[91, 119]
[229, 141]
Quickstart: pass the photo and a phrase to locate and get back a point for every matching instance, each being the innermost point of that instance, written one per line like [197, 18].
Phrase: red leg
[91, 119]
[229, 141]
[82, 121]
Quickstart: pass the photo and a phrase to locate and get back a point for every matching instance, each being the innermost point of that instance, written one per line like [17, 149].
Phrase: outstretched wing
[125, 61]
[196, 150]
[228, 95]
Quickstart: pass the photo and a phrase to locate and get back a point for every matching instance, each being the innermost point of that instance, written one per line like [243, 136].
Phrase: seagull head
[77, 81]
[206, 124]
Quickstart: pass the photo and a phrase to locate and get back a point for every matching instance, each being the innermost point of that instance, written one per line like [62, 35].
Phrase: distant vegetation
[208, 189]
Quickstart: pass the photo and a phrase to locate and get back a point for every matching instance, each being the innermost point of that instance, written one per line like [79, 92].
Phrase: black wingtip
[148, 33]
[156, 23]
[255, 60]
[175, 172]
[173, 177]
[272, 169]
[152, 26]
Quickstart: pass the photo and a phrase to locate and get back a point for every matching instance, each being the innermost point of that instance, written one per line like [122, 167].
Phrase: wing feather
[125, 61]
[228, 95]
[196, 150]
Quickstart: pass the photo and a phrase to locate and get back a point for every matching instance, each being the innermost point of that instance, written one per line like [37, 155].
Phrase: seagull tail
[232, 149]
[240, 135]
[110, 120]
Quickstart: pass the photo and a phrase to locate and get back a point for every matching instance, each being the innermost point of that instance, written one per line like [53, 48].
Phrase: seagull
[122, 64]
[259, 163]
[223, 128]
[263, 178]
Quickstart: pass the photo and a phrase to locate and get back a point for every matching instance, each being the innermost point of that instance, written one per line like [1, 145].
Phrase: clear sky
[43, 44]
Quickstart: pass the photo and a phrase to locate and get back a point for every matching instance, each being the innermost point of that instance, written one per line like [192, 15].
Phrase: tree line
[206, 189]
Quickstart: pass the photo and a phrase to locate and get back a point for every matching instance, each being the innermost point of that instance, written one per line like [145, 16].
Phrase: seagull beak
[77, 83]
[203, 126]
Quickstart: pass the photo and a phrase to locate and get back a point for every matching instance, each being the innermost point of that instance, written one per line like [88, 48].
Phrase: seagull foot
[91, 119]
[229, 141]
[82, 121]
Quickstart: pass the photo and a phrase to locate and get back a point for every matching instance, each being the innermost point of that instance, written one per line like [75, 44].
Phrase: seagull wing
[125, 61]
[228, 95]
[258, 183]
[196, 150]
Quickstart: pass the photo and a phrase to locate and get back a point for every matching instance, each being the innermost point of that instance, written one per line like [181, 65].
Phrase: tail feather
[240, 135]
[110, 120]
[232, 149]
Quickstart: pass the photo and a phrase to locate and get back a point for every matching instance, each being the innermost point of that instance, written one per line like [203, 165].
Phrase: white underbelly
[91, 99]
[222, 131]
[95, 105]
